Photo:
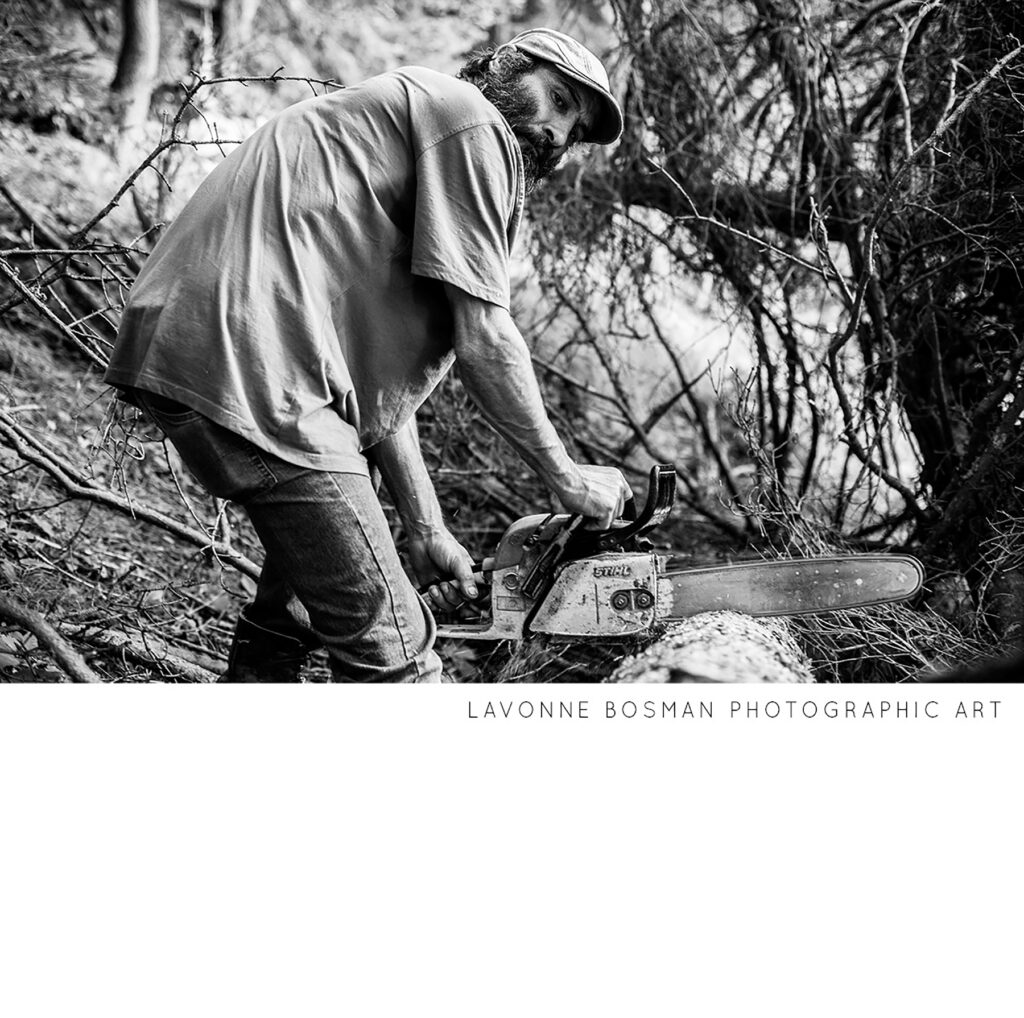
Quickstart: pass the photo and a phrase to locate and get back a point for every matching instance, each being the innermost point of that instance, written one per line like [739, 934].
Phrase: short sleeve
[468, 205]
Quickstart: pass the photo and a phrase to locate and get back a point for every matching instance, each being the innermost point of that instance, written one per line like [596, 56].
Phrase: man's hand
[599, 493]
[435, 555]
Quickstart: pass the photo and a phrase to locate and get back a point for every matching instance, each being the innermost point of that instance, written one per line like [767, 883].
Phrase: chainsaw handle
[481, 571]
[661, 494]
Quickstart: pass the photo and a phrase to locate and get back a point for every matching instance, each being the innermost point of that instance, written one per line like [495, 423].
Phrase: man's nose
[557, 134]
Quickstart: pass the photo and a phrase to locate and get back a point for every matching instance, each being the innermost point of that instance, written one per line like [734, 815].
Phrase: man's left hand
[435, 556]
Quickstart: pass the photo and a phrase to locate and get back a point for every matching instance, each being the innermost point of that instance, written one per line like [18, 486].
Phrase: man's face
[548, 113]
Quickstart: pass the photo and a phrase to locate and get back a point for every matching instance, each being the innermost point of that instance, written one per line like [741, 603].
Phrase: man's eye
[559, 101]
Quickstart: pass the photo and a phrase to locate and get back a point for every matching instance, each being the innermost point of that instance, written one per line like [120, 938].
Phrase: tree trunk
[720, 647]
[232, 21]
[137, 62]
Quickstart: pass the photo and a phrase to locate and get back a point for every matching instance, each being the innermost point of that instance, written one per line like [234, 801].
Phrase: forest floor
[125, 589]
[140, 602]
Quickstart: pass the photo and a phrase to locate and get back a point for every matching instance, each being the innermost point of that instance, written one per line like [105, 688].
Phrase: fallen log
[719, 647]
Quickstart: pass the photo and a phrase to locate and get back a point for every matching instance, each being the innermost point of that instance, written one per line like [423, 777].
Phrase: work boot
[259, 654]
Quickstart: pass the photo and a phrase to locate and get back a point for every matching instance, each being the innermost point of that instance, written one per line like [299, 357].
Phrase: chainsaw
[551, 575]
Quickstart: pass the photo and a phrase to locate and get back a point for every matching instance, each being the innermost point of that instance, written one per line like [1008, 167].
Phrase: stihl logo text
[612, 571]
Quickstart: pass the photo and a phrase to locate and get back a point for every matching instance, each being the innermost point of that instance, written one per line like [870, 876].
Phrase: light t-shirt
[297, 300]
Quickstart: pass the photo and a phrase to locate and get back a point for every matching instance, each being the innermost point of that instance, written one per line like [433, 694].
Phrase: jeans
[330, 557]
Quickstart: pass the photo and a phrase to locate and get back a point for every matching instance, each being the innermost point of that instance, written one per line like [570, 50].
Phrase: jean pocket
[226, 464]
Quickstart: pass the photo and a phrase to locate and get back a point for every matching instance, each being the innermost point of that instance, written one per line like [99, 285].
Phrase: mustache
[542, 148]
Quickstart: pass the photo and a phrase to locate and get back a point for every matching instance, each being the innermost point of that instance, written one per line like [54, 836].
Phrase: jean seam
[428, 619]
[401, 629]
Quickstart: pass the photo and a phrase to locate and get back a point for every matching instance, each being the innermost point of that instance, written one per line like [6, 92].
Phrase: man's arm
[434, 552]
[497, 371]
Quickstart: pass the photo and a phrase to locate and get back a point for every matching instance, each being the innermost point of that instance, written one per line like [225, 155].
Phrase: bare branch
[70, 661]
[33, 451]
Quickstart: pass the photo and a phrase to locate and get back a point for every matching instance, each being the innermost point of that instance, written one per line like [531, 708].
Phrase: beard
[506, 92]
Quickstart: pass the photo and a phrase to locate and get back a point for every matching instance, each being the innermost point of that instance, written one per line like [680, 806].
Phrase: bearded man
[310, 296]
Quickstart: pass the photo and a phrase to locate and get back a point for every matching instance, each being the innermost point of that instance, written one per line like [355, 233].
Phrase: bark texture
[720, 647]
[137, 62]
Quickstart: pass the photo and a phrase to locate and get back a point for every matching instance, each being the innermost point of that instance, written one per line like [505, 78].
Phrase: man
[310, 296]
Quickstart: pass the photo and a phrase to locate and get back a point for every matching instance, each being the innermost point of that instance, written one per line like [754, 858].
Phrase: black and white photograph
[615, 365]
[564, 342]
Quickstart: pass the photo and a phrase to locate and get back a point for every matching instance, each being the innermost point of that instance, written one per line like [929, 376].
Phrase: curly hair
[482, 64]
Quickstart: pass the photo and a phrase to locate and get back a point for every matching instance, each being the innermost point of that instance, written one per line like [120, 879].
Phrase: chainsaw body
[549, 575]
[609, 594]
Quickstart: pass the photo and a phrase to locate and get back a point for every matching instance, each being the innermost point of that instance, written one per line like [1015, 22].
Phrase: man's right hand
[598, 493]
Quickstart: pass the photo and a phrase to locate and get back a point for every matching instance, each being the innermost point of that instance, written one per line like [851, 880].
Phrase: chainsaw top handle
[623, 533]
[575, 542]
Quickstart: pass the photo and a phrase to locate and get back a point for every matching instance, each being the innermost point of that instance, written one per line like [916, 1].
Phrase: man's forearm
[401, 464]
[497, 372]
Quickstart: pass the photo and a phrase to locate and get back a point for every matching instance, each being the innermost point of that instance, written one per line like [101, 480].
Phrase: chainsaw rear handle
[480, 575]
